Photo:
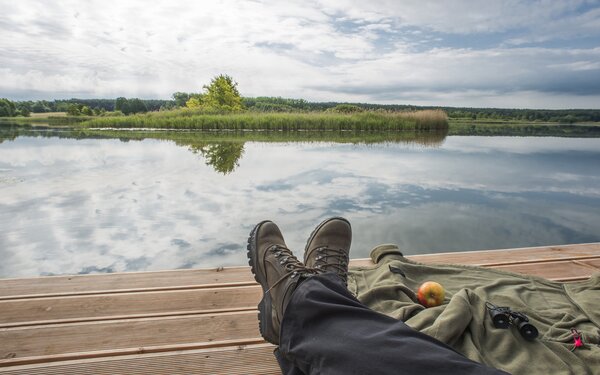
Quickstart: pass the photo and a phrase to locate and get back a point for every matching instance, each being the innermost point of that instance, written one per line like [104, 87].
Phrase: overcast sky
[536, 54]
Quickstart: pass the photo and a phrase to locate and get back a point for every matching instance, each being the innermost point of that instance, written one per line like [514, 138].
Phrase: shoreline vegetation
[364, 120]
[359, 121]
[52, 110]
[326, 125]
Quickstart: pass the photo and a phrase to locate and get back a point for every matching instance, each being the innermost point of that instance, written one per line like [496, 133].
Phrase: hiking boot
[278, 271]
[328, 247]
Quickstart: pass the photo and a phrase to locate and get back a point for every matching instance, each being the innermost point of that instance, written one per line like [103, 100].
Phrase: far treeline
[84, 107]
[103, 107]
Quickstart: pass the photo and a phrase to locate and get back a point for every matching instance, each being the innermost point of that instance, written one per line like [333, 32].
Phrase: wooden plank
[147, 304]
[132, 333]
[514, 256]
[49, 286]
[22, 361]
[593, 263]
[487, 258]
[561, 270]
[255, 359]
[240, 276]
[186, 302]
[121, 333]
[55, 310]
[121, 336]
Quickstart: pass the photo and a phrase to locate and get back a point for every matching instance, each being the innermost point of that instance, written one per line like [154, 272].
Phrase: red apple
[431, 294]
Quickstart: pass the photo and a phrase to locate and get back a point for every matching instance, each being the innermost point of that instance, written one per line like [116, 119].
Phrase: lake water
[85, 205]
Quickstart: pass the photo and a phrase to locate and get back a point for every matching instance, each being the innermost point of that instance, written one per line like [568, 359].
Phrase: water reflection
[223, 150]
[223, 157]
[101, 202]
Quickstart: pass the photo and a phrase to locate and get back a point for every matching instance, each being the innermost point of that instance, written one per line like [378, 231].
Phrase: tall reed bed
[429, 118]
[319, 121]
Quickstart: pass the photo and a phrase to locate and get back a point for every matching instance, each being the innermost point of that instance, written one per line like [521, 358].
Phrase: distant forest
[269, 104]
[276, 104]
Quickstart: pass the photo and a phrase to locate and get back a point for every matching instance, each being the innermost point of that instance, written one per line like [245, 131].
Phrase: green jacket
[464, 323]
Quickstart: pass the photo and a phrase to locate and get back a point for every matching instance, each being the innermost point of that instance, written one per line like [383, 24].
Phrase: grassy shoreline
[319, 121]
[185, 119]
[52, 120]
[360, 124]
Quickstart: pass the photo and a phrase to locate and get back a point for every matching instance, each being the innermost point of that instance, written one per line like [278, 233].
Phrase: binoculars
[503, 317]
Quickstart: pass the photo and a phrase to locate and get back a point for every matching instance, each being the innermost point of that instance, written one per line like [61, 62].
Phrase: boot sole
[265, 305]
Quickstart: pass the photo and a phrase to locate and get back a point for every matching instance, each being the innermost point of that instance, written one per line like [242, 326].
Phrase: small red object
[577, 339]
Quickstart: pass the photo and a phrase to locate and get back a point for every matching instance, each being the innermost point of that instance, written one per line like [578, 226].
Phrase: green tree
[221, 94]
[40, 107]
[73, 110]
[180, 98]
[23, 108]
[86, 111]
[23, 112]
[62, 107]
[569, 119]
[137, 106]
[99, 111]
[129, 106]
[346, 108]
[7, 108]
[122, 104]
[195, 101]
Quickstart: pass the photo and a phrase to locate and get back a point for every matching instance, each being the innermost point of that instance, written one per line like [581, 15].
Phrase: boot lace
[331, 258]
[291, 264]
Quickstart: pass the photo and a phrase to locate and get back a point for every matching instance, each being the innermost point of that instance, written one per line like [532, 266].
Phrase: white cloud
[578, 65]
[467, 16]
[320, 50]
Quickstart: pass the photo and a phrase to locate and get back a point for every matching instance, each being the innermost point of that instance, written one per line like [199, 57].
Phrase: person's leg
[287, 367]
[278, 271]
[325, 330]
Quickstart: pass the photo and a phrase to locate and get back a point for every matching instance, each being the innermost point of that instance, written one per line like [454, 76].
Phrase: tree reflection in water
[223, 157]
[223, 150]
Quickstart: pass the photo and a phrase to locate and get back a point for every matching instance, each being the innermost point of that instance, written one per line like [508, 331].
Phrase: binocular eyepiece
[500, 315]
[527, 330]
[503, 317]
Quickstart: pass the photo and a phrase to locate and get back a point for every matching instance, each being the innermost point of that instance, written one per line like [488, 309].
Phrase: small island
[220, 106]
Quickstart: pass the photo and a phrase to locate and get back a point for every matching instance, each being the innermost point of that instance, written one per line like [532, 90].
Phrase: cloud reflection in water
[101, 205]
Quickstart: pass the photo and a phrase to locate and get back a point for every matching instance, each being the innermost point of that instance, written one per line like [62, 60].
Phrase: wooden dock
[200, 321]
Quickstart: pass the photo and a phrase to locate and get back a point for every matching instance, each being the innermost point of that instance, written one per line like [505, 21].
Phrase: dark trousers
[325, 330]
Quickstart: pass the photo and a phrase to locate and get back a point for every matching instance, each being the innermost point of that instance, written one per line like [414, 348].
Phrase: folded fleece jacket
[463, 322]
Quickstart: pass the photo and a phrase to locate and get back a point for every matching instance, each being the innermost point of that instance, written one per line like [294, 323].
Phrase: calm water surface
[104, 205]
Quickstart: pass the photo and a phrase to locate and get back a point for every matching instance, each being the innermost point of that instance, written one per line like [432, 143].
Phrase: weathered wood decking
[199, 321]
